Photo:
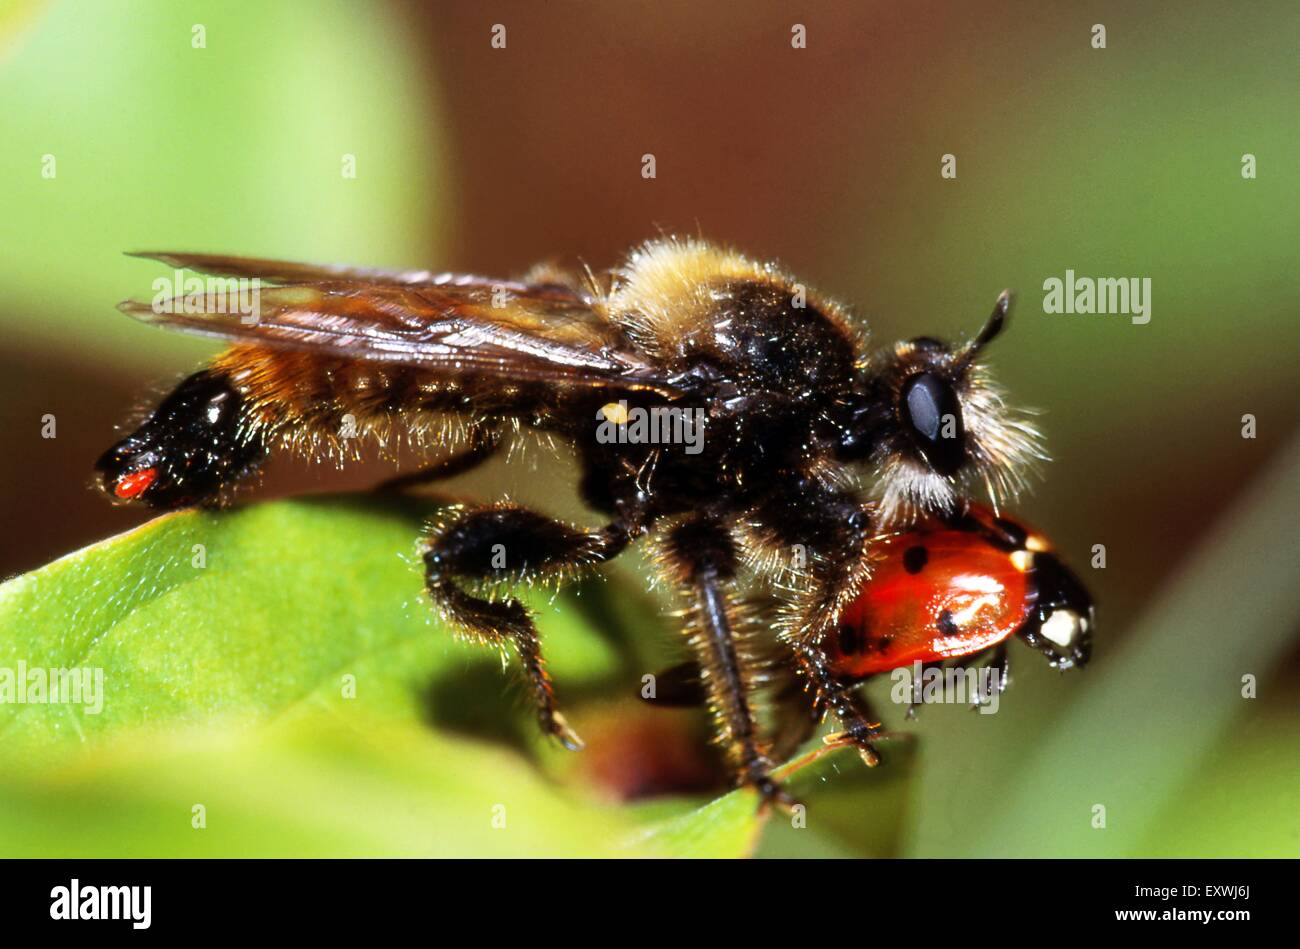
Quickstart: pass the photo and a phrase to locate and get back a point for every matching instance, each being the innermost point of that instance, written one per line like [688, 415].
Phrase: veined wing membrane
[540, 333]
[287, 272]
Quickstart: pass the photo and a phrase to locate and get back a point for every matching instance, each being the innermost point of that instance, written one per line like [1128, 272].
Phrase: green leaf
[279, 668]
[306, 789]
[199, 617]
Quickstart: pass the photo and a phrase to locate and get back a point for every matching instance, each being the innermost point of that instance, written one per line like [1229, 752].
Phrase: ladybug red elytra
[954, 587]
[949, 590]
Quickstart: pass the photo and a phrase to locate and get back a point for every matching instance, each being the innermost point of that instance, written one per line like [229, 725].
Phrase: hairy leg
[513, 544]
[700, 558]
[832, 531]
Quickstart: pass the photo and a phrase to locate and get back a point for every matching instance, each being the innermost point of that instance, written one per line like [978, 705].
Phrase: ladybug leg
[914, 705]
[1003, 665]
[997, 664]
[999, 668]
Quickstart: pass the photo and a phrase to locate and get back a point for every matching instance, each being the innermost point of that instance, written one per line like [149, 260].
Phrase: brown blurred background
[1121, 162]
[828, 159]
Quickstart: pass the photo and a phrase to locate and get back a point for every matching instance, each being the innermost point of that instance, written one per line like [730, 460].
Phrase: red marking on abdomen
[133, 484]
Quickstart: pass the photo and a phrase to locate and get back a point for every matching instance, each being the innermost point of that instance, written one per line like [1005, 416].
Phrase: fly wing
[447, 323]
[285, 272]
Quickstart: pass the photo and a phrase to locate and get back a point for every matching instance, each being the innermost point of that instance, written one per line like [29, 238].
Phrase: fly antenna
[992, 328]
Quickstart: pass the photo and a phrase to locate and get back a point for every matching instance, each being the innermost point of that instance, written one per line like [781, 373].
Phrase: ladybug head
[1061, 622]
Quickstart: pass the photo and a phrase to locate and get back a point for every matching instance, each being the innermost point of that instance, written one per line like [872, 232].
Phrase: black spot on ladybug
[915, 558]
[850, 643]
[1014, 534]
[946, 625]
[883, 643]
[1000, 533]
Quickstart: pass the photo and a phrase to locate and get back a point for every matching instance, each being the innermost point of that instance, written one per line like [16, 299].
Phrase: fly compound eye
[931, 412]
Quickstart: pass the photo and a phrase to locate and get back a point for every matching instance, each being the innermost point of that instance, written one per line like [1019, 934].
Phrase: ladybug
[953, 588]
[949, 590]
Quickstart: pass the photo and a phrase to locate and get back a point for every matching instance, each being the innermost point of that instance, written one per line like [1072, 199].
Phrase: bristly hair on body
[1002, 449]
[812, 445]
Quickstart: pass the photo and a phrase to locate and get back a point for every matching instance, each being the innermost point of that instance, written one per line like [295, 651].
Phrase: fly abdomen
[198, 441]
[323, 406]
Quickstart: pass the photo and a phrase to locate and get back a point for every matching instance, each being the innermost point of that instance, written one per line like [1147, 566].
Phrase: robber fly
[812, 445]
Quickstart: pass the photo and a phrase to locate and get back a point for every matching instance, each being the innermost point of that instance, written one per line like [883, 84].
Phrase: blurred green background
[1121, 162]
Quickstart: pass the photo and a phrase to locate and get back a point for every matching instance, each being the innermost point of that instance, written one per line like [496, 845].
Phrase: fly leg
[700, 558]
[483, 444]
[833, 531]
[501, 544]
[860, 726]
